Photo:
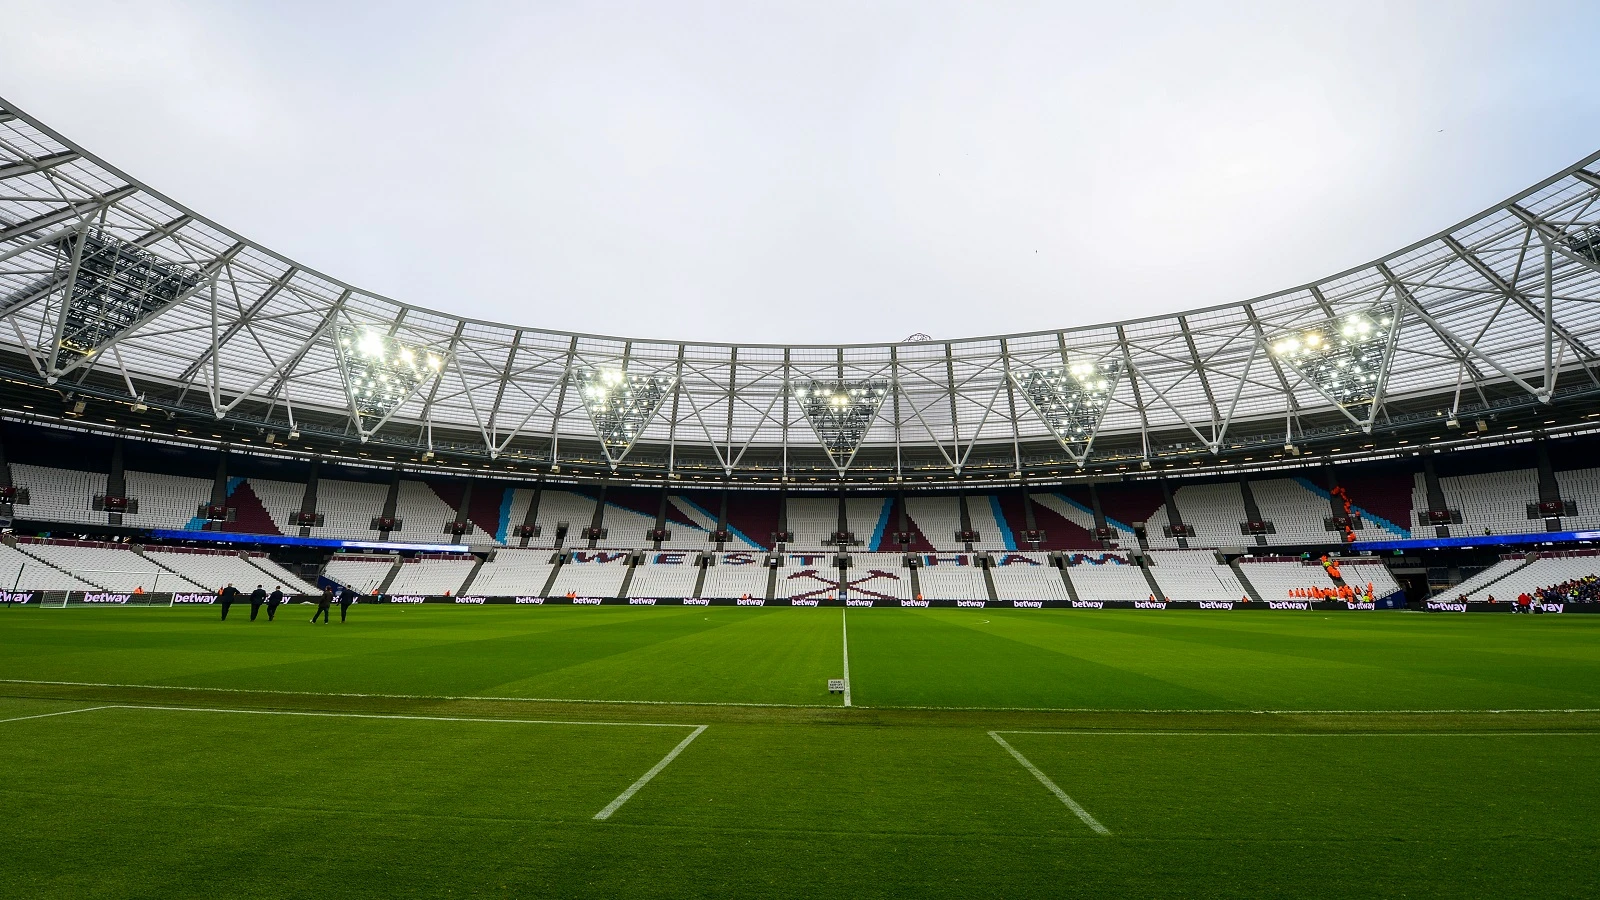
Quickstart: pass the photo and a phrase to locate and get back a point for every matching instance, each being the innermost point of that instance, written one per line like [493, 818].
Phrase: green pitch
[441, 751]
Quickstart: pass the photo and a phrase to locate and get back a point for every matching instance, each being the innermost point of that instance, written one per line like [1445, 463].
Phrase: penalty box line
[602, 815]
[1079, 811]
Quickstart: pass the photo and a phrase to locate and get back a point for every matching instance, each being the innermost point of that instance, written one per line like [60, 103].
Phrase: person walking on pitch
[274, 599]
[324, 603]
[227, 596]
[257, 597]
[346, 597]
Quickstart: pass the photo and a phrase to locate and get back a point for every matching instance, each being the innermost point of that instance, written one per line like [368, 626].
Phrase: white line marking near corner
[1044, 779]
[644, 779]
[64, 712]
[844, 625]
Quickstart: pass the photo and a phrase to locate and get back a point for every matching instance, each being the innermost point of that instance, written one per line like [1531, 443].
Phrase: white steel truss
[108, 288]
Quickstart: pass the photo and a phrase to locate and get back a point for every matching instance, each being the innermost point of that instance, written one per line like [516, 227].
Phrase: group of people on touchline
[230, 595]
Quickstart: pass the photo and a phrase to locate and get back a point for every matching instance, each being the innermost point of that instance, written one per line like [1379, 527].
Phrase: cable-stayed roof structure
[110, 290]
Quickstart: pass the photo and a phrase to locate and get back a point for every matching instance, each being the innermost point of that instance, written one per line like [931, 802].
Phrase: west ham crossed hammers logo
[830, 586]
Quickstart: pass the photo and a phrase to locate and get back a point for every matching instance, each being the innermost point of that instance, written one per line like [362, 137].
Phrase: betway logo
[1088, 604]
[1027, 604]
[586, 601]
[534, 600]
[474, 600]
[750, 601]
[1288, 604]
[641, 601]
[915, 602]
[16, 596]
[406, 598]
[107, 598]
[1148, 604]
[858, 603]
[1555, 607]
[979, 604]
[1216, 604]
[804, 601]
[1443, 606]
[1361, 605]
[697, 601]
[193, 598]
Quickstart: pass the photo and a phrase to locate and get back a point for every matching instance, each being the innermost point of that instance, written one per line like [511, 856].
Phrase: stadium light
[841, 412]
[621, 404]
[380, 371]
[1343, 357]
[1073, 399]
[1586, 243]
[118, 285]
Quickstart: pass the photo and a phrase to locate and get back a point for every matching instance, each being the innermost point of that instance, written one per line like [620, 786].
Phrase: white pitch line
[64, 712]
[224, 690]
[1045, 709]
[844, 625]
[336, 715]
[644, 779]
[1044, 779]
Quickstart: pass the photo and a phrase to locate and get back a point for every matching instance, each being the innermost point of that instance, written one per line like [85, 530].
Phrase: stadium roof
[110, 289]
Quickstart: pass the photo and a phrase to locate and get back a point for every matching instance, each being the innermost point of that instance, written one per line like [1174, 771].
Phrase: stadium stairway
[1238, 571]
[394, 570]
[1150, 578]
[1072, 589]
[627, 577]
[476, 567]
[988, 581]
[700, 577]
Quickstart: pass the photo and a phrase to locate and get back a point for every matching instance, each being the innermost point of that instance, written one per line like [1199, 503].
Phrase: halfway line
[64, 712]
[644, 779]
[844, 625]
[1044, 779]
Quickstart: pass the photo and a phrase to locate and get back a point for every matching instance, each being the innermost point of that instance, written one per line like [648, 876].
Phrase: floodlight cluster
[1072, 399]
[621, 404]
[118, 284]
[1586, 243]
[380, 371]
[840, 411]
[1342, 357]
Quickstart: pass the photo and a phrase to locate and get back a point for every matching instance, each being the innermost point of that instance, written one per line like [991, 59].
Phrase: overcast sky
[818, 171]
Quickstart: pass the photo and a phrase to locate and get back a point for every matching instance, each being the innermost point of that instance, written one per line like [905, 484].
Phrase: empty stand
[514, 573]
[592, 573]
[60, 495]
[1194, 575]
[1495, 502]
[348, 508]
[665, 574]
[879, 575]
[938, 518]
[734, 575]
[362, 574]
[421, 511]
[1107, 576]
[114, 567]
[1275, 578]
[214, 569]
[430, 575]
[1547, 570]
[19, 571]
[951, 576]
[165, 501]
[1027, 576]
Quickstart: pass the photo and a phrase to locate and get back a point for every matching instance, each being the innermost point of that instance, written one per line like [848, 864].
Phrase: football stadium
[1291, 596]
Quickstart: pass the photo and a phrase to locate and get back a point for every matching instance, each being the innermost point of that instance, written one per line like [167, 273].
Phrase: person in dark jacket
[324, 603]
[274, 600]
[346, 597]
[227, 596]
[257, 597]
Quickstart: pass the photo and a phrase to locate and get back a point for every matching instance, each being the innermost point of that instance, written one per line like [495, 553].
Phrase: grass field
[440, 751]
